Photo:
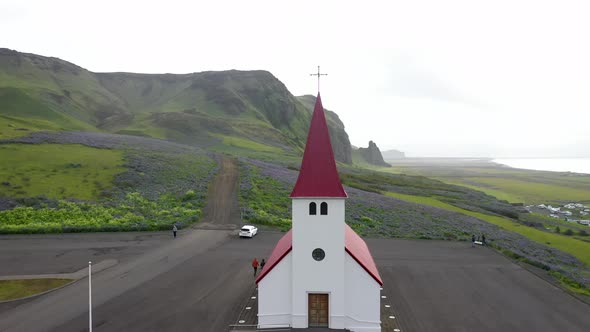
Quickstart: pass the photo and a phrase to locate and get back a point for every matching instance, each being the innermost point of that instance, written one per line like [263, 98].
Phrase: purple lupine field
[375, 215]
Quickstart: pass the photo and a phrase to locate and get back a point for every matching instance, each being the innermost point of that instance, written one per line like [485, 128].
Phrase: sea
[575, 165]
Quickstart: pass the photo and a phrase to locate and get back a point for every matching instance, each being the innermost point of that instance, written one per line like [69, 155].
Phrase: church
[320, 273]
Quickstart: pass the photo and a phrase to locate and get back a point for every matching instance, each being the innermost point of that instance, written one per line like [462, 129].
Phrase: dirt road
[222, 203]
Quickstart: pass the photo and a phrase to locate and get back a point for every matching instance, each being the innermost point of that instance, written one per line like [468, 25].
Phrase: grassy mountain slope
[52, 89]
[208, 109]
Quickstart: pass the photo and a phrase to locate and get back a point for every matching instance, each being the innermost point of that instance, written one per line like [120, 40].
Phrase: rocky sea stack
[372, 155]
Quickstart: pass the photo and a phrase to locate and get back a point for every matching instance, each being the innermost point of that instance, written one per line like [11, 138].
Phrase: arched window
[312, 209]
[324, 209]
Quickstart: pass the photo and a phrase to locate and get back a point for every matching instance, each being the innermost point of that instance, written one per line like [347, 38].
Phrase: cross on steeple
[318, 75]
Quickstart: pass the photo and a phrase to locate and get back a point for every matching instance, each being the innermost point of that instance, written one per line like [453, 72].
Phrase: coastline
[556, 165]
[560, 165]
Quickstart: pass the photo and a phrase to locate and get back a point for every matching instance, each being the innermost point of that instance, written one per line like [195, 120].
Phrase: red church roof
[318, 176]
[355, 246]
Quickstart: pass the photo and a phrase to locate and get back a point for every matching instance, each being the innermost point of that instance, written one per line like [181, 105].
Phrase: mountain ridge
[207, 108]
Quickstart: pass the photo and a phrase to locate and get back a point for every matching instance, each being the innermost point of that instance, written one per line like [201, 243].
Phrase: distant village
[571, 212]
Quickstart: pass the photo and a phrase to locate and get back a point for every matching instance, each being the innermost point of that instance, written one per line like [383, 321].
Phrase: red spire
[318, 176]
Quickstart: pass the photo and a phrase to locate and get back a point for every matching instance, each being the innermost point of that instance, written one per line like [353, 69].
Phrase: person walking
[473, 241]
[174, 230]
[255, 265]
[483, 239]
[262, 263]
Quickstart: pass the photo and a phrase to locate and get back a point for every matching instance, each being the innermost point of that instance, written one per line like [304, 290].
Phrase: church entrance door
[318, 310]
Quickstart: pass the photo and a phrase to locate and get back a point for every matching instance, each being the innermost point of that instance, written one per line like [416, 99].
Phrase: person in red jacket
[255, 265]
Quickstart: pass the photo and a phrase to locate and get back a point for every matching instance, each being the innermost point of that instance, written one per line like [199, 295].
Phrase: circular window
[318, 254]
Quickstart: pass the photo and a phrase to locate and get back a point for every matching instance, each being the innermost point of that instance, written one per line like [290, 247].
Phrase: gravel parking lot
[201, 282]
[66, 253]
[449, 286]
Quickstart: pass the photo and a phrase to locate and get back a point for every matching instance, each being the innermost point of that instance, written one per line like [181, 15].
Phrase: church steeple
[318, 176]
[317, 277]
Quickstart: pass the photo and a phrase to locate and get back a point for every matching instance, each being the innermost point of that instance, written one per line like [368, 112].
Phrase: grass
[15, 102]
[235, 146]
[24, 107]
[11, 126]
[156, 190]
[16, 289]
[143, 126]
[244, 143]
[512, 185]
[499, 194]
[380, 182]
[577, 248]
[529, 191]
[264, 200]
[570, 284]
[57, 170]
[134, 213]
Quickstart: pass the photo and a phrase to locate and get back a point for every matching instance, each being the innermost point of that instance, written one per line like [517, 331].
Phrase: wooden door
[318, 310]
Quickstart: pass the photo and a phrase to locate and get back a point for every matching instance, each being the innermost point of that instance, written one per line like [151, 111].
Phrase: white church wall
[363, 299]
[274, 296]
[325, 276]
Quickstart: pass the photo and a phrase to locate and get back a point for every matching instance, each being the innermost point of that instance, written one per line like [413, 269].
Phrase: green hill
[250, 110]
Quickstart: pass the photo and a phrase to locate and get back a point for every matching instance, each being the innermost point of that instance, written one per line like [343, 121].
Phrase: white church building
[321, 273]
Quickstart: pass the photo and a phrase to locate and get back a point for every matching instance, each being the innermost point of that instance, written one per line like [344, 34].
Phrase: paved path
[206, 293]
[430, 285]
[68, 253]
[59, 307]
[449, 286]
[97, 267]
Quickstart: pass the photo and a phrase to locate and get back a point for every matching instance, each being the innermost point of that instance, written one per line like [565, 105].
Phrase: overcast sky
[431, 78]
